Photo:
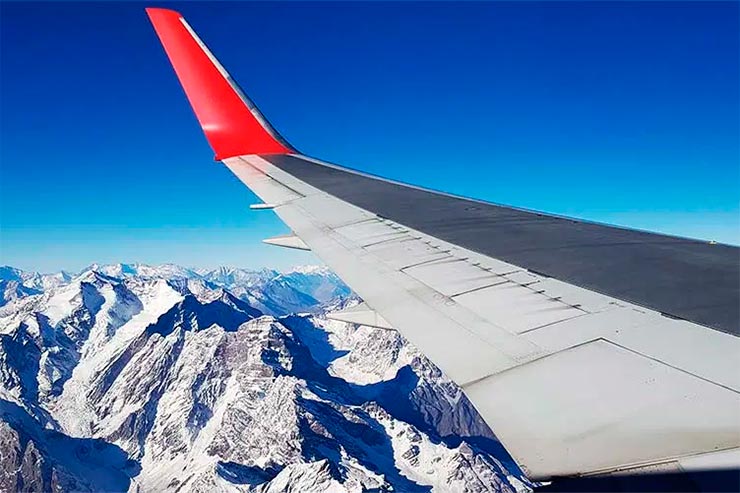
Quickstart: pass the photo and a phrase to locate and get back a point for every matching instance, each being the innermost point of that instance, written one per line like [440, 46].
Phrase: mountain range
[130, 377]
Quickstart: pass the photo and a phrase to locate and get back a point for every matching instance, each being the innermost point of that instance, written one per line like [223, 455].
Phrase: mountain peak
[309, 270]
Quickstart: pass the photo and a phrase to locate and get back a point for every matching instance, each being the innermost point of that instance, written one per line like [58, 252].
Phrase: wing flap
[597, 407]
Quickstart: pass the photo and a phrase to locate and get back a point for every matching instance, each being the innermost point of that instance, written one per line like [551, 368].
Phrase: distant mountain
[302, 289]
[15, 283]
[130, 377]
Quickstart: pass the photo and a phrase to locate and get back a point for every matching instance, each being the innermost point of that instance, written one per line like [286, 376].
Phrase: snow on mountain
[163, 271]
[140, 378]
[12, 290]
[16, 283]
[302, 288]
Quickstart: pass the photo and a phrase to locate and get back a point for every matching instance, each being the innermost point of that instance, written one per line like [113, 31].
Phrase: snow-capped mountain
[15, 283]
[303, 288]
[135, 378]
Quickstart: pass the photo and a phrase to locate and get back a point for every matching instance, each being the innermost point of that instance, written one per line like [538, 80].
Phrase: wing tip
[150, 11]
[231, 126]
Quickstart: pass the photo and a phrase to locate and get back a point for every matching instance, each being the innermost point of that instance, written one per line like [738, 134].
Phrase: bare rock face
[141, 378]
[34, 459]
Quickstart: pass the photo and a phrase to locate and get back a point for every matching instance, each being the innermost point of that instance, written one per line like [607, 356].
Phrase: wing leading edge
[587, 348]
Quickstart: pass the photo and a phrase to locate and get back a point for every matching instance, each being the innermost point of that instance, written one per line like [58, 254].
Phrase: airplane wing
[587, 348]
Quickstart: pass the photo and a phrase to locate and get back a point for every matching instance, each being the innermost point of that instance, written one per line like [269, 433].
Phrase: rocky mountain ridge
[139, 378]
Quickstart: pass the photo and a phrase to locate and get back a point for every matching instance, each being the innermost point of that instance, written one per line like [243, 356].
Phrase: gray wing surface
[687, 279]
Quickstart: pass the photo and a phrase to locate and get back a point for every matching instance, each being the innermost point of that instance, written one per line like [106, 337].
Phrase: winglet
[231, 122]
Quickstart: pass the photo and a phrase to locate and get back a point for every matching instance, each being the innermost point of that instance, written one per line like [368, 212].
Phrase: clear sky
[624, 113]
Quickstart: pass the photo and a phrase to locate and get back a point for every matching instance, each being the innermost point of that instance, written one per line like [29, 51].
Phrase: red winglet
[231, 127]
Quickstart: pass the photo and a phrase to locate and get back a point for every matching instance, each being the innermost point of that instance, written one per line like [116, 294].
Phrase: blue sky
[615, 112]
